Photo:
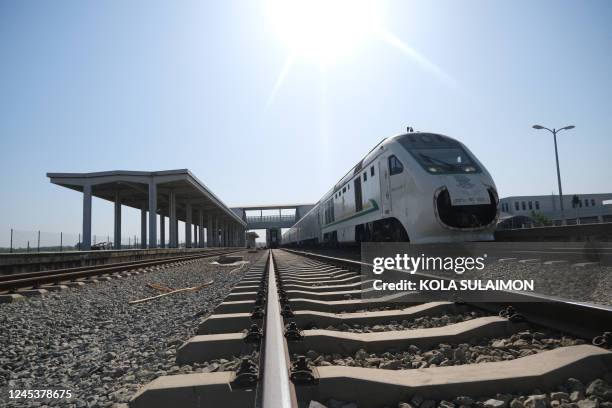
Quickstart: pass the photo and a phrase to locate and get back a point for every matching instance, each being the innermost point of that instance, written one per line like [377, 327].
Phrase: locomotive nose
[466, 216]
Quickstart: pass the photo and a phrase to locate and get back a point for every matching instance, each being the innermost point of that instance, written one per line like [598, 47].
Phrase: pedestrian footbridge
[272, 218]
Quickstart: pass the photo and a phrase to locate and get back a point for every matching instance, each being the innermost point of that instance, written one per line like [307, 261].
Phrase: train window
[365, 176]
[395, 166]
[523, 205]
[348, 186]
[344, 189]
[372, 171]
[537, 204]
[443, 159]
[592, 203]
[586, 203]
[530, 205]
[516, 205]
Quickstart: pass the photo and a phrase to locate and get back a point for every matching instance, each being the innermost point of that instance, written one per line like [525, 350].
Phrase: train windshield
[445, 160]
[438, 154]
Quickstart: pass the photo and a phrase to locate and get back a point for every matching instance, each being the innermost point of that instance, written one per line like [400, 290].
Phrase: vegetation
[540, 219]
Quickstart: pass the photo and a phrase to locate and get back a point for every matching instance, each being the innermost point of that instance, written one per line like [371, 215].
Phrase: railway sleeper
[331, 341]
[370, 387]
[323, 281]
[338, 306]
[326, 288]
[306, 318]
[315, 276]
[194, 390]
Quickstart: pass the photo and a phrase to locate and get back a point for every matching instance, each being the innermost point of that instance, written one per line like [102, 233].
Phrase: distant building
[590, 208]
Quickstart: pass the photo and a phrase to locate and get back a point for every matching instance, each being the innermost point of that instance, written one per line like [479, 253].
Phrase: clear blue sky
[149, 85]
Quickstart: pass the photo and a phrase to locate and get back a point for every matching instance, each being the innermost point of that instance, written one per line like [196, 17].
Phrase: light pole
[554, 133]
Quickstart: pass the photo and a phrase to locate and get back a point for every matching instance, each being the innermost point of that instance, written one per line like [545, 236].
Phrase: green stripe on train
[359, 214]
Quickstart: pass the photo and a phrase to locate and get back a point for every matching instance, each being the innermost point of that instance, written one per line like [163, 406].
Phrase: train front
[455, 198]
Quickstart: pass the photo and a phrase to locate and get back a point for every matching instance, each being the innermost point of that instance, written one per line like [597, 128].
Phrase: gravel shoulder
[587, 284]
[91, 341]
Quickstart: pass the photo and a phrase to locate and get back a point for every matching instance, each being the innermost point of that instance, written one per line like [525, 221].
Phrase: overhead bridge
[272, 223]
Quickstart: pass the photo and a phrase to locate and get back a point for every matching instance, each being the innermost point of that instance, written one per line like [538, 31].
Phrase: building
[590, 208]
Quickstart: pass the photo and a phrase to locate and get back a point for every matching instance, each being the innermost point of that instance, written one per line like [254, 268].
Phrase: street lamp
[554, 133]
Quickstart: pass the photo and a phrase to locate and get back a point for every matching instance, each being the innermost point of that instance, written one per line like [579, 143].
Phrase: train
[415, 187]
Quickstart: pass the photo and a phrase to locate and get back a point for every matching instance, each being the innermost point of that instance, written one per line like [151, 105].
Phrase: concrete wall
[33, 262]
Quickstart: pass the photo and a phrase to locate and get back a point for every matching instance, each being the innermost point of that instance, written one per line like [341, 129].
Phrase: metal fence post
[11, 250]
[28, 247]
[38, 243]
[61, 241]
[79, 243]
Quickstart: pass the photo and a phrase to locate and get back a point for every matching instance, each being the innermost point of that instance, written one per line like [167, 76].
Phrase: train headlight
[433, 169]
[469, 169]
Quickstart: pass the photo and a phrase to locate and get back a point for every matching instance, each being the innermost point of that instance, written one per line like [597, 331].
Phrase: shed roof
[132, 187]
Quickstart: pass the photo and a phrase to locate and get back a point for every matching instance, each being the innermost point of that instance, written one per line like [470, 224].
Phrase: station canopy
[132, 188]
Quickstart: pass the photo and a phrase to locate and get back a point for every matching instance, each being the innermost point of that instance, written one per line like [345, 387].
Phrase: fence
[40, 241]
[582, 232]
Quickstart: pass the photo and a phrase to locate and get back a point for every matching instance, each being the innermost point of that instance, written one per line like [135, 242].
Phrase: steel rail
[278, 391]
[584, 320]
[47, 272]
[56, 278]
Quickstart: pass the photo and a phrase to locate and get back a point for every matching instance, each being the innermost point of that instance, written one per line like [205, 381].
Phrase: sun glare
[323, 30]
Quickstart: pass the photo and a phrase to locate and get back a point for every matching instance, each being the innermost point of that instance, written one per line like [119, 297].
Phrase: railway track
[47, 280]
[306, 338]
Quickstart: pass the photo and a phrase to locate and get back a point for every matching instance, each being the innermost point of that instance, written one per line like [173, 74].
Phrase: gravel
[588, 284]
[424, 322]
[91, 341]
[486, 350]
[572, 394]
[212, 366]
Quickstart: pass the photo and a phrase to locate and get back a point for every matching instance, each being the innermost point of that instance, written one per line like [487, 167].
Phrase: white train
[417, 187]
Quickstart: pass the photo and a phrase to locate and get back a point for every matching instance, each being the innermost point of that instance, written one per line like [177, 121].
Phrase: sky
[260, 115]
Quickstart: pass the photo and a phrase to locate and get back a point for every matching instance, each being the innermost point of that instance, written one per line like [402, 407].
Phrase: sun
[323, 30]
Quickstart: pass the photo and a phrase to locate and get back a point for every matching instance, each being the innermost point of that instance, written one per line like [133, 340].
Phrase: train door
[396, 182]
[358, 194]
[385, 186]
